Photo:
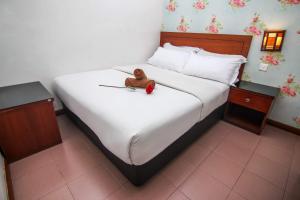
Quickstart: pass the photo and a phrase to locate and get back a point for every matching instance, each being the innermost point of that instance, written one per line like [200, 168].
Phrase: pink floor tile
[297, 146]
[252, 187]
[234, 152]
[71, 146]
[113, 170]
[60, 194]
[96, 184]
[29, 164]
[293, 186]
[223, 126]
[90, 145]
[178, 196]
[274, 153]
[243, 138]
[235, 196]
[295, 168]
[178, 170]
[98, 155]
[158, 188]
[270, 170]
[38, 183]
[195, 154]
[200, 185]
[222, 169]
[67, 128]
[279, 138]
[72, 161]
[77, 169]
[214, 136]
[99, 158]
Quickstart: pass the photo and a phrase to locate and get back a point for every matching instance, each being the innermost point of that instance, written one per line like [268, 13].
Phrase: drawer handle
[247, 100]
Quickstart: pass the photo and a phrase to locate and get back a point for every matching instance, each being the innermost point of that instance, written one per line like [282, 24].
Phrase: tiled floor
[225, 163]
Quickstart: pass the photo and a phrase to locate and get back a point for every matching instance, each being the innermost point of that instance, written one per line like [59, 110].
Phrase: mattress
[135, 126]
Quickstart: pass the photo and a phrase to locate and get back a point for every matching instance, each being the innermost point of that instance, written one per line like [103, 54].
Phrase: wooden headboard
[217, 43]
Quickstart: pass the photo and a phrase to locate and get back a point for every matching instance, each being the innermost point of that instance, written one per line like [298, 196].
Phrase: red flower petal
[149, 89]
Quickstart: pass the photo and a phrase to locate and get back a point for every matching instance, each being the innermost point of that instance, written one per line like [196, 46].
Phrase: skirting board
[284, 126]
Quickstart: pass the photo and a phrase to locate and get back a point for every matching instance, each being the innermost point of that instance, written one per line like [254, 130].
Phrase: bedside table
[27, 120]
[249, 104]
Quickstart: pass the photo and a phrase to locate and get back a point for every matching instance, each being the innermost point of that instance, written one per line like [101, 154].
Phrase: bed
[141, 133]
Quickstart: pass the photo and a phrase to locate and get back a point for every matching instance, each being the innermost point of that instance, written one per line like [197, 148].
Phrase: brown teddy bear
[140, 80]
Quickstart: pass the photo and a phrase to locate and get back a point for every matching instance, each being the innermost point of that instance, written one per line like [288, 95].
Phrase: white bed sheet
[135, 126]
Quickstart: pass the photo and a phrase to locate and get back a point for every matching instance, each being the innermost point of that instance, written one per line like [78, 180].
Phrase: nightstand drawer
[251, 100]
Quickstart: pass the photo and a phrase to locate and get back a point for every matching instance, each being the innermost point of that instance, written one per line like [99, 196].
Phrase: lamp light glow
[273, 40]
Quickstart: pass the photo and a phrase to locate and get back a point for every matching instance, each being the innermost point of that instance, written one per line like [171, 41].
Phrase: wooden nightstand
[27, 120]
[249, 104]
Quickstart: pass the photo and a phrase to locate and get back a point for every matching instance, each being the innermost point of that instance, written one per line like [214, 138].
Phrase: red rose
[149, 89]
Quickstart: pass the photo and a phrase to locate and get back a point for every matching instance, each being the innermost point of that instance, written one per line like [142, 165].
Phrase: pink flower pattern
[238, 3]
[200, 4]
[172, 5]
[256, 26]
[183, 25]
[272, 58]
[285, 3]
[290, 88]
[215, 26]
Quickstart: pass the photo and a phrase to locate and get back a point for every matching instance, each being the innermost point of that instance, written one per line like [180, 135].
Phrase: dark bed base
[138, 175]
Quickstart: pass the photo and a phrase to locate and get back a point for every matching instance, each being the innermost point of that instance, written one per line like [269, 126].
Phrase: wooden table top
[17, 95]
[259, 88]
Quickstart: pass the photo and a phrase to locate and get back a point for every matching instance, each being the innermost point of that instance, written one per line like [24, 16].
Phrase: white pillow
[187, 49]
[207, 53]
[169, 59]
[221, 69]
[241, 58]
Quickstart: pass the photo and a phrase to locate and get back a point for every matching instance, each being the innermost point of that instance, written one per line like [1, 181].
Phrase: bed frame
[218, 43]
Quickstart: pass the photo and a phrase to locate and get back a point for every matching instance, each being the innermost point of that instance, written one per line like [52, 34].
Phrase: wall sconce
[272, 40]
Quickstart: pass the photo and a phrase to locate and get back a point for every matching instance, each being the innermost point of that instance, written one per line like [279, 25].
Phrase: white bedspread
[133, 125]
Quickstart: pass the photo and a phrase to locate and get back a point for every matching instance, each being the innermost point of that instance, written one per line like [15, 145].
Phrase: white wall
[42, 39]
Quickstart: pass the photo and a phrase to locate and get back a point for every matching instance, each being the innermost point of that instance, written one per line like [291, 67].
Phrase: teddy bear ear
[139, 74]
[137, 70]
